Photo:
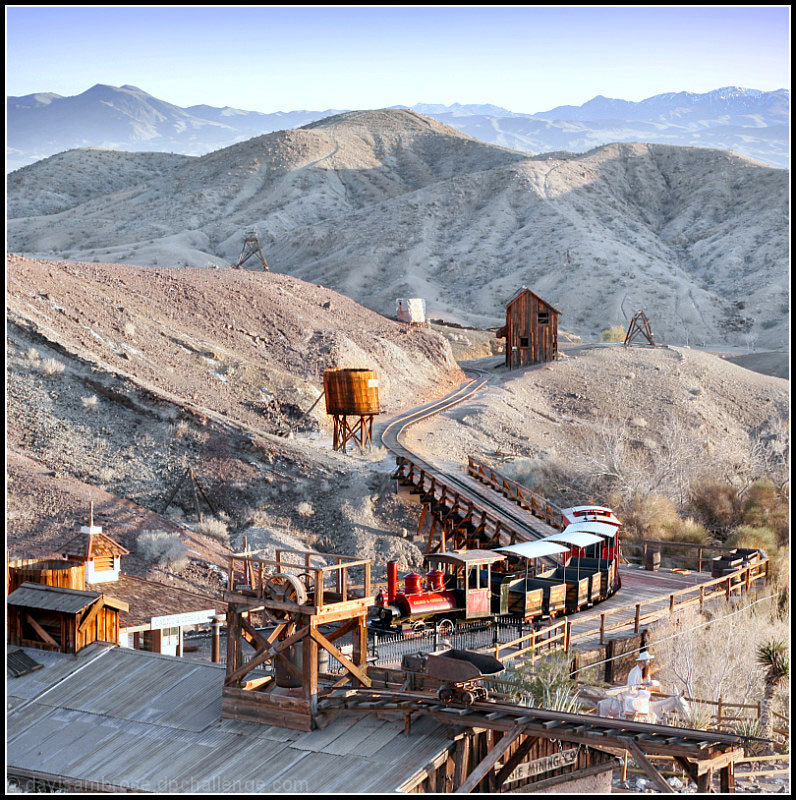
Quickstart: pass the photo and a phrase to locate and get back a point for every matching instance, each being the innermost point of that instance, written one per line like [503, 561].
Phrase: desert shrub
[749, 536]
[305, 509]
[32, 354]
[545, 684]
[164, 549]
[90, 402]
[766, 507]
[215, 529]
[685, 529]
[614, 333]
[750, 727]
[717, 505]
[52, 366]
[129, 329]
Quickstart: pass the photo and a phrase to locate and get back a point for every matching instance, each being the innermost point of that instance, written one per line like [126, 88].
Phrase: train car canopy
[529, 550]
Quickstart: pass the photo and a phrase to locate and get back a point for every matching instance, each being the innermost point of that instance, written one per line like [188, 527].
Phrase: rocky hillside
[384, 204]
[120, 378]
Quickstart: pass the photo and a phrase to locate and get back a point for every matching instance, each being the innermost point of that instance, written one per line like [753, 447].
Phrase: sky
[527, 59]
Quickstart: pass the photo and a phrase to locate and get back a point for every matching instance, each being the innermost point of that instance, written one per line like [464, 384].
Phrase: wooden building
[98, 551]
[531, 330]
[61, 620]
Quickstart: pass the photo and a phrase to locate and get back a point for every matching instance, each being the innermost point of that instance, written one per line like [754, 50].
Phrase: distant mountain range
[747, 121]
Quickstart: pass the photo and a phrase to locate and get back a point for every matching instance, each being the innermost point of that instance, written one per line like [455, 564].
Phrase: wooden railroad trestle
[457, 518]
[700, 753]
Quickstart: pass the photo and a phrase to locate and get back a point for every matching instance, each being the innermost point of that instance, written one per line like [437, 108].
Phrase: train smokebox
[351, 392]
[436, 581]
[413, 583]
[392, 581]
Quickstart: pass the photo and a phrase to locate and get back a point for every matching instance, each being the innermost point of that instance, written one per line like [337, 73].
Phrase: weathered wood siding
[50, 572]
[536, 340]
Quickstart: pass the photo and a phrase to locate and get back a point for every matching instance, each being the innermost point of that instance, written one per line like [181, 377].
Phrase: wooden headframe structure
[251, 247]
[639, 328]
[311, 606]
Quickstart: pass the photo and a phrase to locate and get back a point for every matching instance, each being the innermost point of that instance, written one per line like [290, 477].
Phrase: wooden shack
[100, 554]
[61, 620]
[531, 330]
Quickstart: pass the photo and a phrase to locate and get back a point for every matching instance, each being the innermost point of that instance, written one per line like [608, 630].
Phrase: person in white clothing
[640, 676]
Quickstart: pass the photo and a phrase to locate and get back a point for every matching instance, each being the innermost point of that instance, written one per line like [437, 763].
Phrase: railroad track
[514, 519]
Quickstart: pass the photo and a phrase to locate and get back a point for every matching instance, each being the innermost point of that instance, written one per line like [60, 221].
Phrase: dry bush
[129, 329]
[719, 660]
[164, 549]
[32, 354]
[615, 333]
[90, 402]
[767, 507]
[51, 366]
[717, 505]
[214, 528]
[305, 509]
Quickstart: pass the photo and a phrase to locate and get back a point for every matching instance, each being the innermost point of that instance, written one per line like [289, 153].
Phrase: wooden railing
[726, 586]
[525, 498]
[691, 555]
[536, 643]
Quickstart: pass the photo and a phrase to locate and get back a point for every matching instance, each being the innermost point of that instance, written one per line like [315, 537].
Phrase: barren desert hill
[382, 204]
[651, 420]
[68, 179]
[122, 377]
[248, 345]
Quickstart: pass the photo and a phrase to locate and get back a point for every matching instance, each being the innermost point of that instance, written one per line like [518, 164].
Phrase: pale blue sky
[269, 59]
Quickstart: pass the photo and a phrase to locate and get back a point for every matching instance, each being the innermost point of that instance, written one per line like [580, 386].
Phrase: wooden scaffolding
[357, 430]
[639, 328]
[251, 247]
[290, 610]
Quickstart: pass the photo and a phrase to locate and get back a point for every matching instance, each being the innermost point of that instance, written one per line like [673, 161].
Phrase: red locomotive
[457, 587]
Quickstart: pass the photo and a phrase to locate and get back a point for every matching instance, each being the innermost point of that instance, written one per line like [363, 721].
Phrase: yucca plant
[750, 727]
[773, 657]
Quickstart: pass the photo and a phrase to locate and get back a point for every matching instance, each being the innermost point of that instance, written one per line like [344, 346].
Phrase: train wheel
[419, 627]
[468, 697]
[445, 694]
[445, 627]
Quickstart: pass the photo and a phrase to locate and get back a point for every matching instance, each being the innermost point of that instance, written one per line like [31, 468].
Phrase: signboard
[566, 758]
[181, 620]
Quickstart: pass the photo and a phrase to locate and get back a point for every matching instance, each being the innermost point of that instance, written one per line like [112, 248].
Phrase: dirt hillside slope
[383, 204]
[599, 404]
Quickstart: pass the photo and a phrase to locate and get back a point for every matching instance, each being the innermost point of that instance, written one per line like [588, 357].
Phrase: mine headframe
[639, 328]
[251, 247]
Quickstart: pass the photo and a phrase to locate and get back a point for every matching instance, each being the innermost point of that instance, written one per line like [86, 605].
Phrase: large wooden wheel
[285, 588]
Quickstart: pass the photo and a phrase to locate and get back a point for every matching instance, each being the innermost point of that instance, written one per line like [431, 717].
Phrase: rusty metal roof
[131, 719]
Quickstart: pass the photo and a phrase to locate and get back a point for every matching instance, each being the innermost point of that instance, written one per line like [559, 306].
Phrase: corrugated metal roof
[139, 720]
[51, 598]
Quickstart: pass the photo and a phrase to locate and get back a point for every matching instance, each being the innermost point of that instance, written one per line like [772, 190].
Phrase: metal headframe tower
[639, 327]
[251, 247]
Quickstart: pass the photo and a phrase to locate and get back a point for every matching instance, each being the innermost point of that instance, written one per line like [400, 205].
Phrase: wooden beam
[647, 766]
[42, 633]
[266, 655]
[92, 613]
[462, 760]
[492, 757]
[359, 673]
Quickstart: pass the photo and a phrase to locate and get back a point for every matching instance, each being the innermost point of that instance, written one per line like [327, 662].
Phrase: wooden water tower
[352, 400]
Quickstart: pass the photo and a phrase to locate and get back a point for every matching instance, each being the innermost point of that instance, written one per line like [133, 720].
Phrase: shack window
[524, 341]
[544, 317]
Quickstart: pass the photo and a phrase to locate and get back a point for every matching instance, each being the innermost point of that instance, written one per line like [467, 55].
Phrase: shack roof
[525, 289]
[467, 557]
[55, 598]
[148, 599]
[135, 720]
[92, 544]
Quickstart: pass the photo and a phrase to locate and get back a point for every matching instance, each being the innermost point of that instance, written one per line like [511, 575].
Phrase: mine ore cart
[460, 671]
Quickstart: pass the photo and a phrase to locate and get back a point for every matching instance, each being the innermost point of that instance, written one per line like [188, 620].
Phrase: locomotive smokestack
[392, 581]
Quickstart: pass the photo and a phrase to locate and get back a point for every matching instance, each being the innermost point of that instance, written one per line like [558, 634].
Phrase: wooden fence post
[637, 622]
[568, 636]
[602, 628]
